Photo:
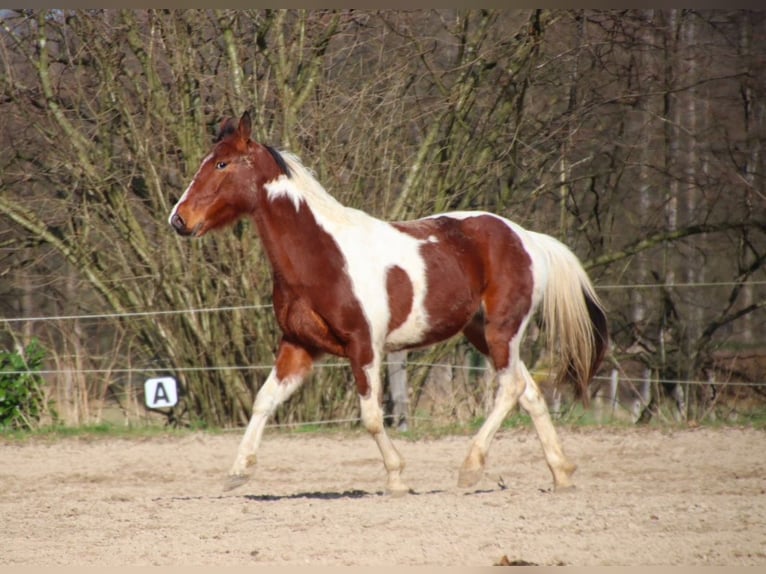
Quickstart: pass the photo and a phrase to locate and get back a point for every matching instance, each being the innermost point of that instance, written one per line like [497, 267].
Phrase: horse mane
[300, 184]
[279, 158]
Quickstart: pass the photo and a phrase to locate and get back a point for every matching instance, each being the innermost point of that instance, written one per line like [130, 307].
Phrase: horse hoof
[396, 488]
[235, 481]
[398, 492]
[468, 478]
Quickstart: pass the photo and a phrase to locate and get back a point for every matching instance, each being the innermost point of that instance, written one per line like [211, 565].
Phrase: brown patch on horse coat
[508, 297]
[400, 293]
[447, 253]
[495, 295]
[293, 360]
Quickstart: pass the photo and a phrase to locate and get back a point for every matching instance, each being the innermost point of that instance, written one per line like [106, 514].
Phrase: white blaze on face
[188, 188]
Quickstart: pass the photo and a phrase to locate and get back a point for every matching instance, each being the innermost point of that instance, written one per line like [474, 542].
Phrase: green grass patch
[93, 431]
[421, 427]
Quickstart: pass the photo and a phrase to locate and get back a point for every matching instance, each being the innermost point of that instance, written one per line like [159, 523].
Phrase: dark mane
[280, 161]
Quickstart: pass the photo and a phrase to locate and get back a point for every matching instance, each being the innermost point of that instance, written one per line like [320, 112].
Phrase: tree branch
[665, 236]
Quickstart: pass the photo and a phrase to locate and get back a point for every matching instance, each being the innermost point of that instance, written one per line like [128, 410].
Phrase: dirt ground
[644, 497]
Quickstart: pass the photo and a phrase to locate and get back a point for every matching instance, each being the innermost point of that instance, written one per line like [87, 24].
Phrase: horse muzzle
[177, 223]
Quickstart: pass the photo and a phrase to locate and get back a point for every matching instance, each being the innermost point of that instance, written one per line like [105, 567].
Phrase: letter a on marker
[160, 394]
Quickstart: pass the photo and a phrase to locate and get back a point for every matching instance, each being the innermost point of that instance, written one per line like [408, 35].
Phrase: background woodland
[636, 137]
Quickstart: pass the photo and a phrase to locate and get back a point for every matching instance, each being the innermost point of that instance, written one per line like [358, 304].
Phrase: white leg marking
[372, 418]
[510, 386]
[272, 394]
[534, 403]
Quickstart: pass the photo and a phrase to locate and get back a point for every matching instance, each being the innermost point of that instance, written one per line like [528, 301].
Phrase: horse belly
[411, 333]
[446, 294]
[427, 325]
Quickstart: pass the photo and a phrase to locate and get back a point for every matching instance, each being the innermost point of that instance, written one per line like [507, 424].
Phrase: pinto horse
[348, 284]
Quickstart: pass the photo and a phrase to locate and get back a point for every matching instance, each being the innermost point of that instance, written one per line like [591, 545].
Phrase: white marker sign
[160, 392]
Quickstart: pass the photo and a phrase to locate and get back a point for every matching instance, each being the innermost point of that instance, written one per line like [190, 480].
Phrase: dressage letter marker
[160, 392]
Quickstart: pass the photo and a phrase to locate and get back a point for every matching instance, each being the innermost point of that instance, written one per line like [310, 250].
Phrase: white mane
[302, 186]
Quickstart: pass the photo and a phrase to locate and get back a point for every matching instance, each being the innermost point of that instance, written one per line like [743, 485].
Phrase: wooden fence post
[397, 386]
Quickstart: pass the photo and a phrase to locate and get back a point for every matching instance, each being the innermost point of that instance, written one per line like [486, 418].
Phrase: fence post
[397, 385]
[613, 380]
[645, 395]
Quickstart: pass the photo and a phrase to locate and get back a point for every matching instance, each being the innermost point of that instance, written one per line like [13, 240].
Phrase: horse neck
[298, 234]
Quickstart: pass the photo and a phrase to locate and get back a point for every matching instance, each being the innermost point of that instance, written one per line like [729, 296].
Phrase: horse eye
[220, 165]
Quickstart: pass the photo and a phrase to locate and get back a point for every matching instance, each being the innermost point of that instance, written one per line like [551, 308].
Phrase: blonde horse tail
[574, 317]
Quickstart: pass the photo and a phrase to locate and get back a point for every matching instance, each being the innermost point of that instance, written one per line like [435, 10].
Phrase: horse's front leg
[293, 364]
[369, 387]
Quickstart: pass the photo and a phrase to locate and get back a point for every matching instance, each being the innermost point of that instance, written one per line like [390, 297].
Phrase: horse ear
[245, 126]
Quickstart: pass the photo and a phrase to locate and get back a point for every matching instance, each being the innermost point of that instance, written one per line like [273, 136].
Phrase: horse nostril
[178, 223]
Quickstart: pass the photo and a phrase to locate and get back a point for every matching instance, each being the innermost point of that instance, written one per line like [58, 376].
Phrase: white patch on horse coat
[281, 187]
[370, 248]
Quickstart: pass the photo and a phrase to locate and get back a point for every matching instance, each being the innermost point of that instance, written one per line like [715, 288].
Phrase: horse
[348, 284]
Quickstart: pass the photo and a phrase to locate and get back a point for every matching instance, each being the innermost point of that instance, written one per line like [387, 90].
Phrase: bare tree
[633, 135]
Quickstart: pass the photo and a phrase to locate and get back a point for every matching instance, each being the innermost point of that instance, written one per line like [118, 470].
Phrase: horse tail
[574, 317]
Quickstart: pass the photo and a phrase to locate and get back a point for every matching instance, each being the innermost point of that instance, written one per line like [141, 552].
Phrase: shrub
[22, 400]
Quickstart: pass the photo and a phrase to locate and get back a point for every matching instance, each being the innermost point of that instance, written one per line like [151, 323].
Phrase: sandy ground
[643, 497]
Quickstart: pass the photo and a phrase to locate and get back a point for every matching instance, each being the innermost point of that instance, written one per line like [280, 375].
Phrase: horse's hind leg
[534, 403]
[509, 389]
[514, 384]
[496, 333]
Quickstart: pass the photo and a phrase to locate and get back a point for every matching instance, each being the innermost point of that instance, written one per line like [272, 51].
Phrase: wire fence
[324, 365]
[135, 374]
[340, 365]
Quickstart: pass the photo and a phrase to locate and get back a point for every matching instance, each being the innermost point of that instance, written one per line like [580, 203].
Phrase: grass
[424, 427]
[93, 431]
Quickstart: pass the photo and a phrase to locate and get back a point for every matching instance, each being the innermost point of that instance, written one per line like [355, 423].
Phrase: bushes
[22, 400]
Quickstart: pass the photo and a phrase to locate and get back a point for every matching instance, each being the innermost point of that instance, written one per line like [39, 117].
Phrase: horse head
[227, 183]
